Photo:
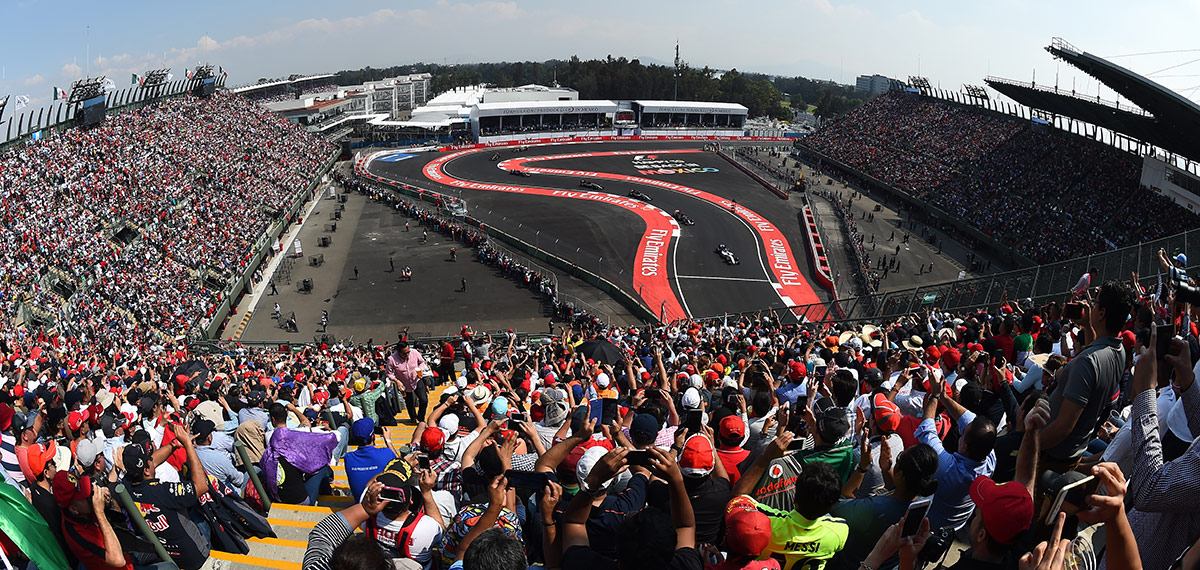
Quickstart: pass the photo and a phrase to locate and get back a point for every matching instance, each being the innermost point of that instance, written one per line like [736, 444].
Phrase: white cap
[602, 380]
[691, 399]
[589, 460]
[461, 382]
[449, 424]
[697, 381]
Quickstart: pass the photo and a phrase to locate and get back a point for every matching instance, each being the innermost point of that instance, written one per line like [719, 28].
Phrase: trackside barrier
[817, 249]
[635, 306]
[254, 479]
[135, 515]
[776, 191]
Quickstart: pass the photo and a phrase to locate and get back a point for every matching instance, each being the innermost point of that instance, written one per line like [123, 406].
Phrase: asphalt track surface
[673, 268]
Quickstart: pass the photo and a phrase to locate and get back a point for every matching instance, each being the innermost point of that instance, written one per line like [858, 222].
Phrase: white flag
[22, 101]
[109, 84]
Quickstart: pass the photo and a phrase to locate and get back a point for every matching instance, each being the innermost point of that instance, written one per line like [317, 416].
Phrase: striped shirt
[1165, 496]
[330, 533]
[8, 458]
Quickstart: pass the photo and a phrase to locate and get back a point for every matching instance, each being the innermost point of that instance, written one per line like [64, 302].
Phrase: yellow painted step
[255, 561]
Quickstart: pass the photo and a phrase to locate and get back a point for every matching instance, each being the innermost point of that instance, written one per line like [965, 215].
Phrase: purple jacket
[306, 451]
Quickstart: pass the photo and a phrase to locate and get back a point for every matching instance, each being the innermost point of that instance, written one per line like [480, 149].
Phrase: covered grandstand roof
[535, 107]
[701, 107]
[1171, 121]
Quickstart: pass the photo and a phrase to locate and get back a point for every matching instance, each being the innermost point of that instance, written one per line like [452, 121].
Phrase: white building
[873, 84]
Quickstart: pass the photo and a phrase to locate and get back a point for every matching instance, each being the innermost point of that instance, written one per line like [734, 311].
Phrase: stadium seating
[1049, 195]
[135, 213]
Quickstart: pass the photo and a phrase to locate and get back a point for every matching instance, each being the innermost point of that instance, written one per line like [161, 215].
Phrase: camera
[1185, 293]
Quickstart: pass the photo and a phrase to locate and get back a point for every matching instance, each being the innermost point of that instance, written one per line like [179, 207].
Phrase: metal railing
[1041, 284]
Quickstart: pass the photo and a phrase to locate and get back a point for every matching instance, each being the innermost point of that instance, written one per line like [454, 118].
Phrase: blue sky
[950, 42]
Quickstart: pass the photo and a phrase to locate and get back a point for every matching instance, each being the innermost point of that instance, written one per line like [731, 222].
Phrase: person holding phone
[1089, 382]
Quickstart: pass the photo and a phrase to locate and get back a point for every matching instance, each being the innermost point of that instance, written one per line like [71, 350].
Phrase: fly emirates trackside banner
[650, 277]
[789, 282]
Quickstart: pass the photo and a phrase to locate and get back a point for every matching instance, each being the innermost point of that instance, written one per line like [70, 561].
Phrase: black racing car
[521, 173]
[727, 256]
[585, 183]
[638, 196]
[682, 218]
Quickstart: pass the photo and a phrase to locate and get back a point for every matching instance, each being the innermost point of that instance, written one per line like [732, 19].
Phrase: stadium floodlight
[155, 77]
[919, 83]
[203, 71]
[86, 88]
[975, 91]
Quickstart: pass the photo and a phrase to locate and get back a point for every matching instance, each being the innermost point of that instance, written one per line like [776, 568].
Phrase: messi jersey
[799, 543]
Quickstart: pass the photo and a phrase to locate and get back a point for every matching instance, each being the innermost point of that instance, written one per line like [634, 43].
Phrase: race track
[672, 268]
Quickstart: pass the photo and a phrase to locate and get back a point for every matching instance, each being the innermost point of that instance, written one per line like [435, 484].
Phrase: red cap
[76, 419]
[932, 354]
[698, 457]
[432, 439]
[40, 454]
[68, 488]
[747, 531]
[798, 370]
[1128, 339]
[6, 416]
[951, 357]
[887, 414]
[689, 369]
[1006, 508]
[722, 359]
[732, 427]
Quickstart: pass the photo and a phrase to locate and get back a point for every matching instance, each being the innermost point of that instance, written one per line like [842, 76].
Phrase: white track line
[722, 278]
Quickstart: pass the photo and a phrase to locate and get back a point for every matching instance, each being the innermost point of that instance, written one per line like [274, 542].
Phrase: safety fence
[1040, 284]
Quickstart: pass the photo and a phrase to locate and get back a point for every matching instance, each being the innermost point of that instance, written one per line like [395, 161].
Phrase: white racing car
[636, 195]
[585, 183]
[727, 256]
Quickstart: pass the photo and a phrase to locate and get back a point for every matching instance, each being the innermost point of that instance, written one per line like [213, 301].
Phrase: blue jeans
[343, 440]
[314, 483]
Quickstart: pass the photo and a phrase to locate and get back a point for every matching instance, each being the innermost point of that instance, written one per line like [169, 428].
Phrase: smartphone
[1073, 311]
[692, 421]
[518, 417]
[1165, 334]
[526, 479]
[915, 514]
[819, 371]
[1085, 483]
[423, 461]
[596, 411]
[608, 411]
[393, 495]
[638, 457]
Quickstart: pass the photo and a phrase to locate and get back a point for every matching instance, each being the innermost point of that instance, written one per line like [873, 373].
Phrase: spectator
[168, 506]
[366, 461]
[89, 535]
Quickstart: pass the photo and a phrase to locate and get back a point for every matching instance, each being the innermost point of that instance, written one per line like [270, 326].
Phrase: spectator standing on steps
[404, 368]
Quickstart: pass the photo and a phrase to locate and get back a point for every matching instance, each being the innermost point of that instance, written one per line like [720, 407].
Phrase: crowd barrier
[774, 190]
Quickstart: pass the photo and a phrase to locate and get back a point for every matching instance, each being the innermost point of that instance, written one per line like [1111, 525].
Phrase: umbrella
[601, 350]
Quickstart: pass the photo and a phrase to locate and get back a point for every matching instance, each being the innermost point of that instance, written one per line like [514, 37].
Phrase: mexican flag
[136, 79]
[28, 530]
[59, 94]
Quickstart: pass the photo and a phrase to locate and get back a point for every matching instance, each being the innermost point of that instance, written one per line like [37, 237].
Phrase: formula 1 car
[682, 218]
[727, 256]
[585, 183]
[638, 196]
[521, 173]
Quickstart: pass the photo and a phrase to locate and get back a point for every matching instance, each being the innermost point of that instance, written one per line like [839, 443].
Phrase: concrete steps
[292, 523]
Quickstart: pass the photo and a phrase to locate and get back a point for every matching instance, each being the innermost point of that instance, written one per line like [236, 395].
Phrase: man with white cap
[607, 511]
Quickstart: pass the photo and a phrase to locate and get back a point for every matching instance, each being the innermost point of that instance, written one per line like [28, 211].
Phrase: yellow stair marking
[255, 561]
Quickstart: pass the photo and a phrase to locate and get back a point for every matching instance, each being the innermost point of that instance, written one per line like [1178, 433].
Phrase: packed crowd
[1048, 195]
[198, 181]
[730, 443]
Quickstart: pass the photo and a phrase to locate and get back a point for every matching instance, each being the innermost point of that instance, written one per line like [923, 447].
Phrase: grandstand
[140, 224]
[1011, 181]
